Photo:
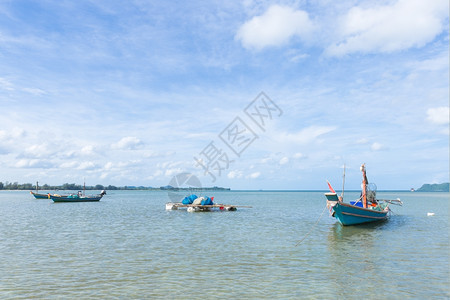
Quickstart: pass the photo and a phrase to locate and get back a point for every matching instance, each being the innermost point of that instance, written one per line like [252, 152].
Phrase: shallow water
[128, 246]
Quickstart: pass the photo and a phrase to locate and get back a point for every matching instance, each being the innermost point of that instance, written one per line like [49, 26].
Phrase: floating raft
[199, 207]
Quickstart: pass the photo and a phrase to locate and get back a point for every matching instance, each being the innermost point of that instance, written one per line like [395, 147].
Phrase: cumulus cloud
[306, 135]
[254, 175]
[173, 171]
[299, 155]
[108, 166]
[33, 163]
[69, 165]
[87, 150]
[15, 133]
[377, 147]
[38, 150]
[402, 25]
[128, 143]
[362, 141]
[439, 115]
[87, 165]
[34, 91]
[284, 160]
[6, 85]
[274, 28]
[234, 174]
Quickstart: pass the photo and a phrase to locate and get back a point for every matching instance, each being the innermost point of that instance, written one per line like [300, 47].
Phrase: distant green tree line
[66, 186]
[78, 187]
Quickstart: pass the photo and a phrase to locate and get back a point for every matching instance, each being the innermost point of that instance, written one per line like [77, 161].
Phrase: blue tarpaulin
[204, 200]
[207, 201]
[189, 199]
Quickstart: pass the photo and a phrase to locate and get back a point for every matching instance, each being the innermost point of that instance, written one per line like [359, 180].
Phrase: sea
[286, 246]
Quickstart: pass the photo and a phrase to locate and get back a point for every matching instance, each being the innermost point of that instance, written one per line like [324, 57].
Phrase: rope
[312, 227]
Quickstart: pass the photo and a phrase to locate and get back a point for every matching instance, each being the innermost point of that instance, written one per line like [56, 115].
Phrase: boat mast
[84, 187]
[37, 186]
[364, 185]
[343, 183]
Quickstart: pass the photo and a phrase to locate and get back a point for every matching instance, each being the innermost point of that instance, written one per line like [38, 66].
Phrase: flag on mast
[329, 186]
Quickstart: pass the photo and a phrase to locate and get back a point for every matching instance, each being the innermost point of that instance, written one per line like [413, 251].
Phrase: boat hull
[352, 215]
[74, 199]
[40, 196]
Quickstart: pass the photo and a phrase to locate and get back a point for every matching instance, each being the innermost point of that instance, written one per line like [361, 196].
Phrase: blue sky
[129, 93]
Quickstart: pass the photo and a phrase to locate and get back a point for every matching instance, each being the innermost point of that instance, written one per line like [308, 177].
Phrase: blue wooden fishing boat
[363, 210]
[40, 196]
[37, 195]
[77, 197]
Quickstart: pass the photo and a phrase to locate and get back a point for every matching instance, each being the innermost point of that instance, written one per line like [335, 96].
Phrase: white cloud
[254, 175]
[108, 166]
[284, 160]
[173, 171]
[33, 163]
[69, 165]
[6, 85]
[274, 28]
[299, 155]
[87, 165]
[128, 143]
[306, 135]
[405, 24]
[37, 150]
[377, 147]
[438, 115]
[362, 141]
[234, 174]
[87, 150]
[34, 91]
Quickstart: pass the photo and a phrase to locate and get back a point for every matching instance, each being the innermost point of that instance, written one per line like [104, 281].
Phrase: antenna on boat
[343, 183]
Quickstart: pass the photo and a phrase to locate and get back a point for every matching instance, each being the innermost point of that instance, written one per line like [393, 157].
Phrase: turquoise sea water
[127, 246]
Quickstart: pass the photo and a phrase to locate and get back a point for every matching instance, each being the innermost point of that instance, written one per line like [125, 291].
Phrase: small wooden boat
[37, 195]
[40, 196]
[363, 210]
[77, 197]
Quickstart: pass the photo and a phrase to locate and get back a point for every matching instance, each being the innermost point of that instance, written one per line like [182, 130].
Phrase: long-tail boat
[37, 195]
[363, 210]
[77, 197]
[40, 196]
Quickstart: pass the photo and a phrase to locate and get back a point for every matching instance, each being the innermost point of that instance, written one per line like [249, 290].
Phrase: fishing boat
[37, 195]
[77, 197]
[363, 210]
[40, 196]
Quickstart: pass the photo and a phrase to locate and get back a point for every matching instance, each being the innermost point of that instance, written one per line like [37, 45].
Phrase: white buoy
[171, 206]
[430, 214]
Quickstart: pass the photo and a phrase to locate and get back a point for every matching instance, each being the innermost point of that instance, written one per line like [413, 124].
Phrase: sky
[241, 94]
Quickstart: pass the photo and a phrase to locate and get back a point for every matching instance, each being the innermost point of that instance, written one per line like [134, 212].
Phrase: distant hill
[436, 187]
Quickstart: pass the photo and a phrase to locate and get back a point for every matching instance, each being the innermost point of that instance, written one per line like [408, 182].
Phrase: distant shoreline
[224, 190]
[443, 187]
